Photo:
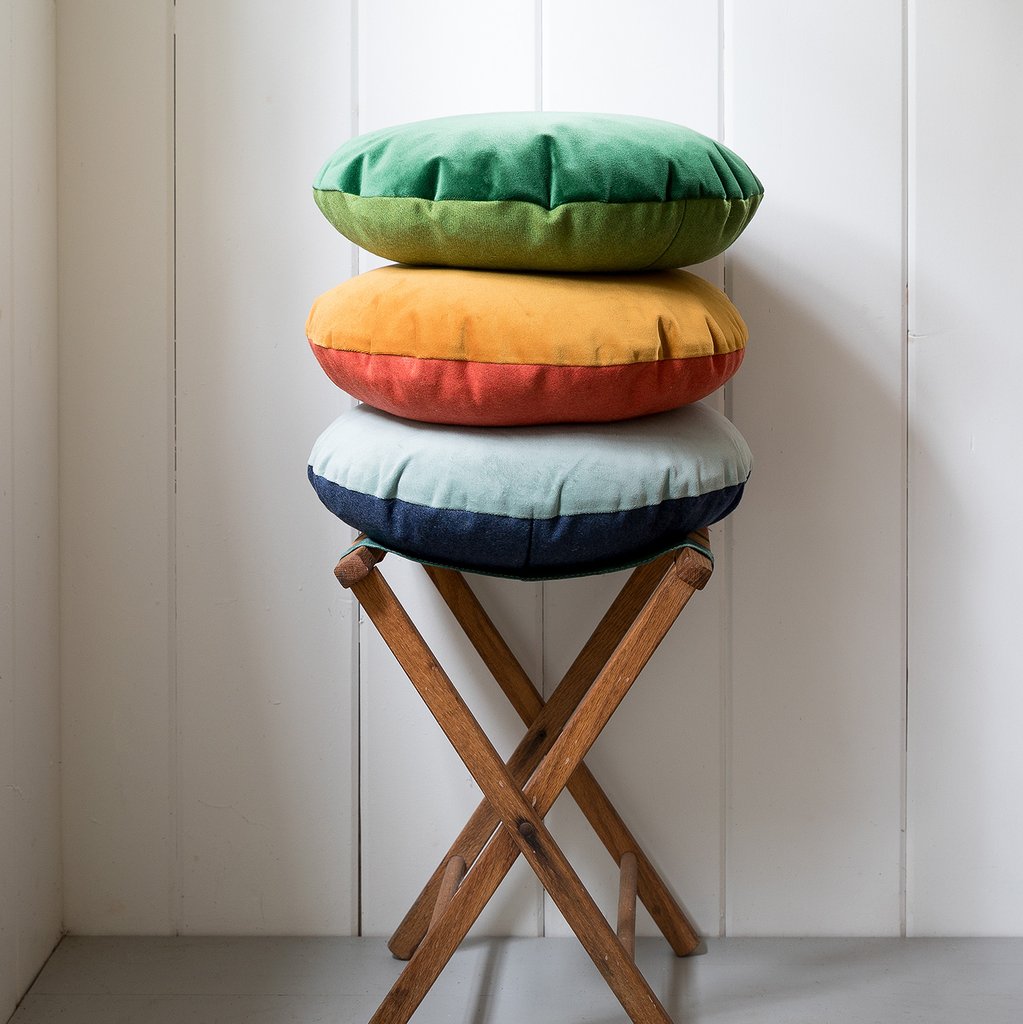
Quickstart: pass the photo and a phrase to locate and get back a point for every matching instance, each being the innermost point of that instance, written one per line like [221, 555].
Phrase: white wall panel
[266, 717]
[417, 61]
[660, 759]
[34, 495]
[114, 102]
[661, 61]
[9, 990]
[814, 103]
[965, 770]
[420, 60]
[30, 899]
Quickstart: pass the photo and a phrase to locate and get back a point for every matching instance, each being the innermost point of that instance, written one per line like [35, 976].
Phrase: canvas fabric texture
[499, 348]
[533, 502]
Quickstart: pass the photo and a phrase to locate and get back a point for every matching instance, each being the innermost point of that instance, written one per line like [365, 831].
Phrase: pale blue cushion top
[535, 472]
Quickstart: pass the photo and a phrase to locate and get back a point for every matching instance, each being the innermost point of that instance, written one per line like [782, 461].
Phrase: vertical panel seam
[355, 662]
[57, 488]
[725, 677]
[355, 668]
[904, 340]
[177, 894]
[542, 590]
[353, 85]
[538, 58]
[12, 538]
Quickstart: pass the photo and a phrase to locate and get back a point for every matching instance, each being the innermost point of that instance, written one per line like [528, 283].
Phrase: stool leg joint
[355, 566]
[527, 831]
[694, 568]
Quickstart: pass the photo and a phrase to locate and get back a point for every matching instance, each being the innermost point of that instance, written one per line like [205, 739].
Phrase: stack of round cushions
[529, 367]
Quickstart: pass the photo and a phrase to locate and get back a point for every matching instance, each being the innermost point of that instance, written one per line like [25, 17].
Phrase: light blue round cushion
[532, 502]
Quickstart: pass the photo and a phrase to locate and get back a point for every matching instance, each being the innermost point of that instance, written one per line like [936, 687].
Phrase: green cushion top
[539, 157]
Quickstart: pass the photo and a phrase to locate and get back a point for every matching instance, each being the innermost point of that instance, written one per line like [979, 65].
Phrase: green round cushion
[539, 191]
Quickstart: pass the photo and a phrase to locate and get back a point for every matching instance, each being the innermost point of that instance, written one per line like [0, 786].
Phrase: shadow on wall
[816, 694]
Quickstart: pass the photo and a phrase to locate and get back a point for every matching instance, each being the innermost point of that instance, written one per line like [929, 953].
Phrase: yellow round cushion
[499, 347]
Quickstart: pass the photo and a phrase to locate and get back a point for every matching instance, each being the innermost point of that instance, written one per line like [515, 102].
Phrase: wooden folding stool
[519, 794]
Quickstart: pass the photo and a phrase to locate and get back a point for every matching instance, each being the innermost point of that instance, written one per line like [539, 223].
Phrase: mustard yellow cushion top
[503, 317]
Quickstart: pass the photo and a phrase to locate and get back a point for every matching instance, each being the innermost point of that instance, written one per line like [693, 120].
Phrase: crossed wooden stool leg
[529, 704]
[519, 794]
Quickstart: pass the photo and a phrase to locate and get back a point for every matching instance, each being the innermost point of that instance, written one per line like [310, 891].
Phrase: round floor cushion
[531, 502]
[539, 191]
[500, 348]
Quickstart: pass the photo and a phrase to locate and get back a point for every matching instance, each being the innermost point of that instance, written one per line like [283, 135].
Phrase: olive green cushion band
[516, 235]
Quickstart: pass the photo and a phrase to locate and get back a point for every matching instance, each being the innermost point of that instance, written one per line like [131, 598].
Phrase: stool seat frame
[517, 795]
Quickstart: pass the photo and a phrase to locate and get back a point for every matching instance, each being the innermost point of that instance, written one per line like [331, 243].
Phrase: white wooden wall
[116, 371]
[816, 690]
[208, 698]
[965, 808]
[30, 898]
[242, 756]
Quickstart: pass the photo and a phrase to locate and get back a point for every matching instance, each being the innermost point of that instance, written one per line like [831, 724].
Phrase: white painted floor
[501, 981]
